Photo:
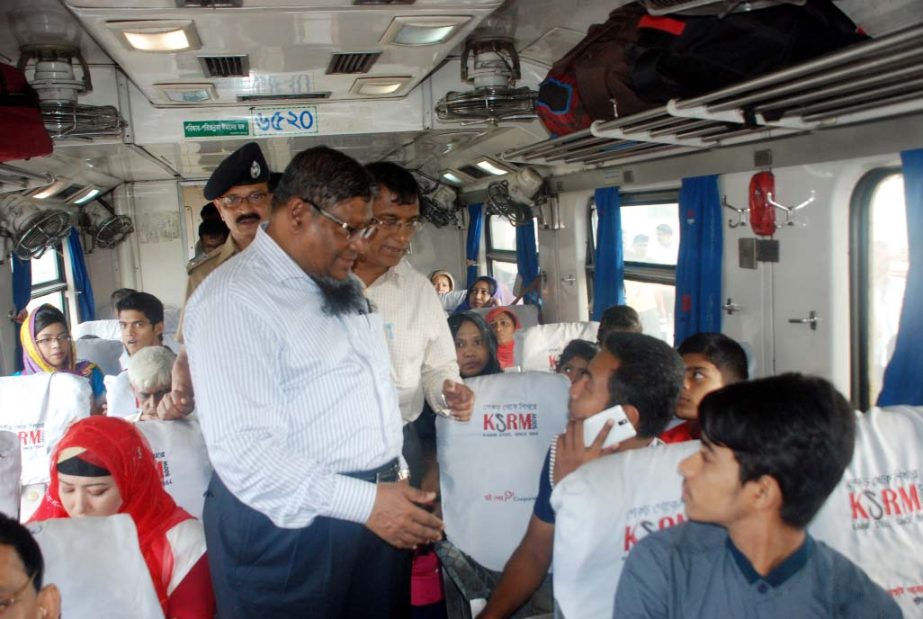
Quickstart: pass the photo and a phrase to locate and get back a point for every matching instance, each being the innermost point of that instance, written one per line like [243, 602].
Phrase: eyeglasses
[352, 232]
[11, 600]
[49, 341]
[233, 201]
[393, 225]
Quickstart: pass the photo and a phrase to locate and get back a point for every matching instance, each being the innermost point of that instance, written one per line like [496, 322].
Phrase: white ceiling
[289, 43]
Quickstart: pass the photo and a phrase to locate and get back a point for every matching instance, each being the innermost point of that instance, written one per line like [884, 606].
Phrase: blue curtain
[22, 283]
[86, 306]
[22, 294]
[473, 246]
[902, 384]
[698, 266]
[527, 261]
[609, 275]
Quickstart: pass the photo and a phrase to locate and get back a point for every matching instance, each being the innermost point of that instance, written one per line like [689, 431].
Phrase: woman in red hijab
[104, 466]
[504, 323]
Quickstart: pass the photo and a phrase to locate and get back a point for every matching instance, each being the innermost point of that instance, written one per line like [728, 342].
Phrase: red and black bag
[681, 56]
[22, 131]
[591, 81]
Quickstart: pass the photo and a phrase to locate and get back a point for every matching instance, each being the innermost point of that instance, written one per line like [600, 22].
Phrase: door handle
[730, 307]
[812, 320]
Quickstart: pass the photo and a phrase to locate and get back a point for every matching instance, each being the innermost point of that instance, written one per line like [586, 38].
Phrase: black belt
[386, 472]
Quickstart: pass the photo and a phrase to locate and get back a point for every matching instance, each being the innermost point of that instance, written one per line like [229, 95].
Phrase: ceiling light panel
[423, 30]
[188, 93]
[157, 35]
[491, 167]
[379, 86]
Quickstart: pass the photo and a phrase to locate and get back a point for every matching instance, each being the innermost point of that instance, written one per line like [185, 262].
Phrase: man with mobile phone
[641, 374]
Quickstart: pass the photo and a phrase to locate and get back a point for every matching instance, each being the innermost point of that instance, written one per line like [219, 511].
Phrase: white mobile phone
[621, 430]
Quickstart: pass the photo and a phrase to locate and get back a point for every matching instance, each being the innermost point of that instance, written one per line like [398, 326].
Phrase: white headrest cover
[10, 472]
[538, 348]
[489, 466]
[875, 515]
[38, 409]
[97, 565]
[602, 510]
[182, 458]
[120, 399]
[103, 329]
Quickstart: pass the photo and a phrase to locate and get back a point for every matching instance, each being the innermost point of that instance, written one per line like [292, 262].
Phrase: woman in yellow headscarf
[47, 347]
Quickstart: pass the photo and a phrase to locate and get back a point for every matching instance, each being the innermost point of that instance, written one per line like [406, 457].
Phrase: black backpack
[680, 56]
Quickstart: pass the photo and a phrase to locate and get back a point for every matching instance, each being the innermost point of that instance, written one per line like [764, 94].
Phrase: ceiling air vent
[358, 62]
[225, 66]
[289, 97]
[208, 4]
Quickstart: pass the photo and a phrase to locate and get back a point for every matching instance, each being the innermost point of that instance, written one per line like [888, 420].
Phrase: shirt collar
[395, 273]
[785, 570]
[283, 267]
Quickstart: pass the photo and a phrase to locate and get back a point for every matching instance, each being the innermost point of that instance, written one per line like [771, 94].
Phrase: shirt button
[763, 587]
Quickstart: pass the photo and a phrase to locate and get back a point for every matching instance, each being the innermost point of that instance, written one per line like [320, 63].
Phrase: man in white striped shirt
[303, 517]
[423, 360]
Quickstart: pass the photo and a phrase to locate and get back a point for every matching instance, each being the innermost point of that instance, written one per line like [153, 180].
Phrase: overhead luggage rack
[873, 80]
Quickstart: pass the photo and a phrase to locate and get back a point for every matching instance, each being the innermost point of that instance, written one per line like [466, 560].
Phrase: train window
[879, 253]
[49, 280]
[650, 242]
[501, 251]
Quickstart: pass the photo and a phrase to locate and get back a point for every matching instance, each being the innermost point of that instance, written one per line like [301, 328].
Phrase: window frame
[60, 285]
[860, 281]
[501, 255]
[645, 272]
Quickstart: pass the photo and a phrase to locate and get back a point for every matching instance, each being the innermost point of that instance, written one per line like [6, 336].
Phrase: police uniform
[245, 166]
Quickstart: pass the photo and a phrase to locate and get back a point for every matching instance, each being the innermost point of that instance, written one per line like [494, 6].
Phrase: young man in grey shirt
[772, 452]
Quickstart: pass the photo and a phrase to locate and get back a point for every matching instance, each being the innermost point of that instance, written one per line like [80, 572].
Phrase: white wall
[153, 259]
[443, 249]
[9, 331]
[812, 273]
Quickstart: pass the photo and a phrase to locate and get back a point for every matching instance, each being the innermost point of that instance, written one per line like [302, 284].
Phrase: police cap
[245, 166]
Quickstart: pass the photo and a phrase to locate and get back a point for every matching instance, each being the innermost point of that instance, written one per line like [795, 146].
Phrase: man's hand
[397, 519]
[459, 399]
[571, 452]
[180, 401]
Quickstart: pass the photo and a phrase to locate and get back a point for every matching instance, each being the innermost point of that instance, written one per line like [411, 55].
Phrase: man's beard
[342, 296]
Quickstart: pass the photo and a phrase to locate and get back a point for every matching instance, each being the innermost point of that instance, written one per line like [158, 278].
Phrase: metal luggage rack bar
[876, 79]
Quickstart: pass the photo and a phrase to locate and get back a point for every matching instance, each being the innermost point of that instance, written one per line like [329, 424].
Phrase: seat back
[120, 399]
[489, 466]
[875, 515]
[96, 563]
[537, 348]
[10, 472]
[104, 353]
[602, 510]
[103, 329]
[182, 458]
[38, 409]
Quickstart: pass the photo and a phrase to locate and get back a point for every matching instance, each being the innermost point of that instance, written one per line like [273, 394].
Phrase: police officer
[239, 189]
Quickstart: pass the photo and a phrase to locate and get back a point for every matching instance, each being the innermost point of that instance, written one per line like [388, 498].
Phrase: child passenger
[712, 361]
[103, 466]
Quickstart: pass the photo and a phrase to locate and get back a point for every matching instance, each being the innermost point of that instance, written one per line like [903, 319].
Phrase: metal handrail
[873, 79]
